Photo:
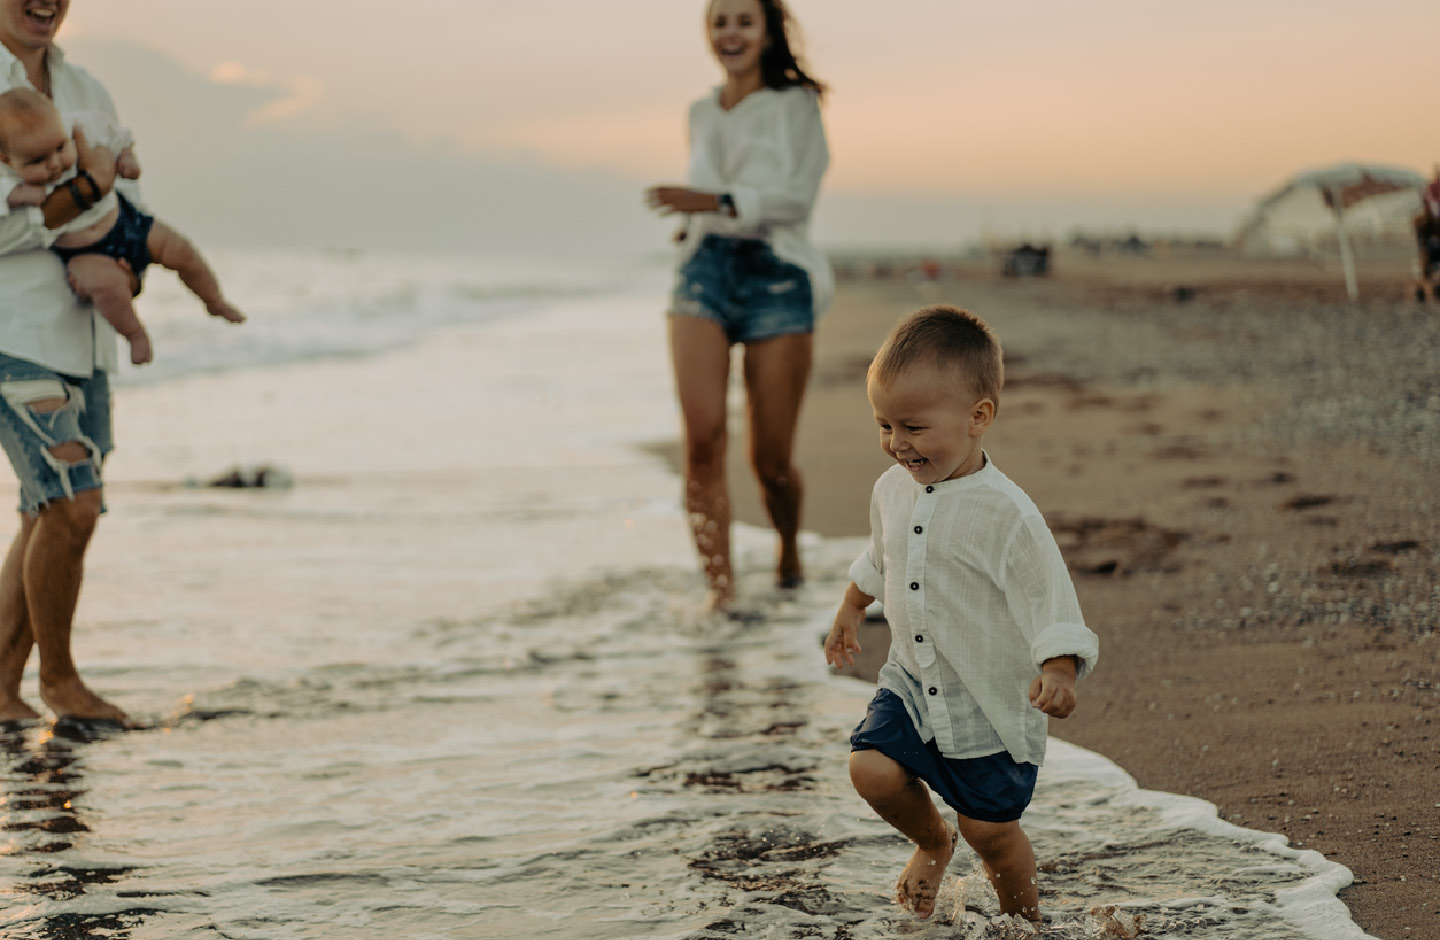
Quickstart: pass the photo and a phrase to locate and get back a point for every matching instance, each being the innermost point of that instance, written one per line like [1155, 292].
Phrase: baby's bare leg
[1009, 862]
[905, 803]
[102, 281]
[170, 249]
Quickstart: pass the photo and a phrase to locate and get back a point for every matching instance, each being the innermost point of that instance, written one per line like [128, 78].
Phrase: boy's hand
[1053, 691]
[26, 194]
[844, 640]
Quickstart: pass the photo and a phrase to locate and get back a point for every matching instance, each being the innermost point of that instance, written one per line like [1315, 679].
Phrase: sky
[536, 124]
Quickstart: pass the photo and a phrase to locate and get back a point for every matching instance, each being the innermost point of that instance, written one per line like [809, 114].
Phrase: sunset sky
[542, 118]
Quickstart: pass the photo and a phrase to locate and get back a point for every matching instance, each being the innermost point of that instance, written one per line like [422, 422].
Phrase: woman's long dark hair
[779, 65]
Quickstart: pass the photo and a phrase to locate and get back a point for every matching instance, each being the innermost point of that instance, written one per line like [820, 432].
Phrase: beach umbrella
[1347, 184]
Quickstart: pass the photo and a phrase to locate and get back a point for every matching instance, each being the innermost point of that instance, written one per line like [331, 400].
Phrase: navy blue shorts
[993, 788]
[127, 240]
[740, 284]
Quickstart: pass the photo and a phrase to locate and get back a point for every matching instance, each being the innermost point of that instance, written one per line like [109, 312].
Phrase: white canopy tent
[1334, 201]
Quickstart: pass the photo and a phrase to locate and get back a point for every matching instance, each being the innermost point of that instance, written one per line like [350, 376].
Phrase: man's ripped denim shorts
[741, 285]
[28, 434]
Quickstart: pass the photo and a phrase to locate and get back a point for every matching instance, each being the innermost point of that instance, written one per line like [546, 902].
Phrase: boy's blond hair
[948, 338]
[20, 109]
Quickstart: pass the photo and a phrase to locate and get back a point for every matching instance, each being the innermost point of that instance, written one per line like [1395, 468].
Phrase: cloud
[236, 157]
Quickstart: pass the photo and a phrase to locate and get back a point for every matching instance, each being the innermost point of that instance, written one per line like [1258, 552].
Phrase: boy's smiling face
[931, 423]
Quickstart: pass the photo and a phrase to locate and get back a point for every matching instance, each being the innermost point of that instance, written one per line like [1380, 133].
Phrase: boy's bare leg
[16, 640]
[170, 249]
[106, 284]
[1009, 862]
[905, 803]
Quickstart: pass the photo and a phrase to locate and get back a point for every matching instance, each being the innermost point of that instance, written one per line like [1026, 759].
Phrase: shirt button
[914, 585]
[934, 691]
[929, 489]
[919, 529]
[919, 638]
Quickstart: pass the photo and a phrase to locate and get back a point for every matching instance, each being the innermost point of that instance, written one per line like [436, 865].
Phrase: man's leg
[49, 433]
[16, 640]
[53, 569]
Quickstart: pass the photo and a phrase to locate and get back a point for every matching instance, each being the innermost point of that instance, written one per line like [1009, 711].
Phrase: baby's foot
[920, 881]
[226, 312]
[140, 349]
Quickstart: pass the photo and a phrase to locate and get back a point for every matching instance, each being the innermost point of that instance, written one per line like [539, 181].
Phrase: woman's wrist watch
[725, 205]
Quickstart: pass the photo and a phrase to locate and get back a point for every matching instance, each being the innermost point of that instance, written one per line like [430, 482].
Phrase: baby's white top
[977, 597]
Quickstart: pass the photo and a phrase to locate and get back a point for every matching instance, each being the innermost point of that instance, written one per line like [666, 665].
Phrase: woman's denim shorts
[993, 788]
[742, 286]
[27, 434]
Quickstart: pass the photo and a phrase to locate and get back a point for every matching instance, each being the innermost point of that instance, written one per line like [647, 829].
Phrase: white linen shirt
[977, 597]
[769, 153]
[40, 318]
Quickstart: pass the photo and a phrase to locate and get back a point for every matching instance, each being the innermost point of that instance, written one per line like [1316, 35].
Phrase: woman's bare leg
[700, 356]
[776, 373]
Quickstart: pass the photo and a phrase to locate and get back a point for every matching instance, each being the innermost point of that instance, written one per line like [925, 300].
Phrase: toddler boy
[987, 638]
[40, 153]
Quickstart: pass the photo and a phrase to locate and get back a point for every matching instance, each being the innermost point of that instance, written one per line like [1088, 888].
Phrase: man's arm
[94, 178]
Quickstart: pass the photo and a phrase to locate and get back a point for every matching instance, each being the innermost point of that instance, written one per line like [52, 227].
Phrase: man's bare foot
[13, 708]
[73, 700]
[920, 881]
[224, 311]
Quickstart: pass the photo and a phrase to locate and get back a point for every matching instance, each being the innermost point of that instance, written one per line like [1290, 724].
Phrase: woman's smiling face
[737, 34]
[31, 24]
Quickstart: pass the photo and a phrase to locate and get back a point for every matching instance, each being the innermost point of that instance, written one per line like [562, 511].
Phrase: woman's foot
[920, 881]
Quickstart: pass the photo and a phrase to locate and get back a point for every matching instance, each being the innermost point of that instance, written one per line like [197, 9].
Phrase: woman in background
[748, 274]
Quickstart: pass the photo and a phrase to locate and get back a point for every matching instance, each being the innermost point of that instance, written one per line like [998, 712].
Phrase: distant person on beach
[1427, 235]
[987, 637]
[748, 274]
[37, 148]
[55, 356]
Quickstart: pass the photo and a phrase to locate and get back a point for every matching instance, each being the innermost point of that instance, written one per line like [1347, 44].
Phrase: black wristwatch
[726, 205]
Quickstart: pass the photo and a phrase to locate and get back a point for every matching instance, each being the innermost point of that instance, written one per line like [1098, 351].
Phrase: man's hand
[26, 194]
[99, 162]
[1053, 691]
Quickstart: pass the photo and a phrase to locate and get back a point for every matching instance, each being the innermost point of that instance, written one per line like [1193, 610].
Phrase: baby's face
[930, 423]
[41, 153]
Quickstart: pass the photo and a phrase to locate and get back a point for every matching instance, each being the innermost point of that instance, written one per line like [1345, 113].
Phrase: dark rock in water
[262, 476]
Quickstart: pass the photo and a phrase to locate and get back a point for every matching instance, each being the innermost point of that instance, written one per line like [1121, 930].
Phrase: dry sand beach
[1241, 474]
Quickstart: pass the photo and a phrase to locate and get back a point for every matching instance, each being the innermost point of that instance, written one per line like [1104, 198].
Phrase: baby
[108, 247]
[986, 633]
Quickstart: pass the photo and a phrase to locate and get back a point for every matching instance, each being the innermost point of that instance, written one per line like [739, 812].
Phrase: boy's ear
[982, 416]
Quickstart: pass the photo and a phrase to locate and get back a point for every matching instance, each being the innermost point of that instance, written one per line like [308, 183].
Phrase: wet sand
[1240, 468]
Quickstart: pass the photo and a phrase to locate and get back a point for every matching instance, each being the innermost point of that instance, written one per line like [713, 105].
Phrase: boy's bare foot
[13, 708]
[226, 312]
[141, 351]
[73, 699]
[920, 881]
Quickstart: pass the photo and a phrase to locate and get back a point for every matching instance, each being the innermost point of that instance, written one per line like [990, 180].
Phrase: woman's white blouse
[978, 597]
[769, 153]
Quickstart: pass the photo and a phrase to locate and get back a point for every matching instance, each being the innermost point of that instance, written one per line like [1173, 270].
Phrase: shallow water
[454, 683]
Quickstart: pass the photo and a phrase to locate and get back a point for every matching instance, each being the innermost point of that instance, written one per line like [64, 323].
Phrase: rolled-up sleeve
[868, 571]
[24, 229]
[1042, 599]
[792, 197]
